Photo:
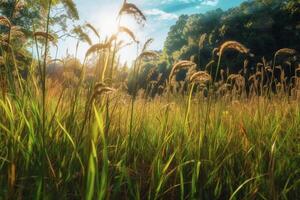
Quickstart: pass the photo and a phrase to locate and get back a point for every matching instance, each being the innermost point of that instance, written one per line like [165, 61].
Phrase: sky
[161, 15]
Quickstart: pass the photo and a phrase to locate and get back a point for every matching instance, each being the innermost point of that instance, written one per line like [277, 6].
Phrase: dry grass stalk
[148, 55]
[111, 39]
[214, 52]
[90, 26]
[147, 44]
[44, 35]
[233, 45]
[252, 78]
[285, 51]
[5, 44]
[202, 40]
[184, 64]
[55, 61]
[159, 77]
[4, 21]
[151, 73]
[258, 74]
[233, 77]
[122, 45]
[223, 88]
[200, 77]
[238, 80]
[123, 29]
[102, 90]
[268, 69]
[99, 85]
[82, 35]
[15, 33]
[96, 48]
[209, 65]
[132, 9]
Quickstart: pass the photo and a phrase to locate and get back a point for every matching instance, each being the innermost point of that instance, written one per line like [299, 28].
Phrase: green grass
[62, 143]
[249, 150]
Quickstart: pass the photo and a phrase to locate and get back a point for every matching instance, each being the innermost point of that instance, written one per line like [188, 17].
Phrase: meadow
[213, 135]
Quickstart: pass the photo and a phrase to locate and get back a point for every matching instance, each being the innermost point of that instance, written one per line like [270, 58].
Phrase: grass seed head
[132, 9]
[90, 26]
[285, 51]
[233, 45]
[147, 44]
[209, 65]
[101, 91]
[184, 64]
[44, 35]
[202, 40]
[97, 47]
[4, 21]
[148, 55]
[200, 77]
[151, 72]
[123, 29]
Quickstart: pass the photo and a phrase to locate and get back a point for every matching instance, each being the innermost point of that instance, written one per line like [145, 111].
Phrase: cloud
[179, 1]
[160, 14]
[210, 2]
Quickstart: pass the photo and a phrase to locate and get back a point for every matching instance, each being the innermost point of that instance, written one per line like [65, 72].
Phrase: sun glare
[108, 25]
[105, 20]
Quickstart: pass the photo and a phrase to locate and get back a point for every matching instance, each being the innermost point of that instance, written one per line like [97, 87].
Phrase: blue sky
[161, 14]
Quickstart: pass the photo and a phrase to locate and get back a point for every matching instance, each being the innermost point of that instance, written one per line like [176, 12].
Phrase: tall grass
[213, 140]
[242, 153]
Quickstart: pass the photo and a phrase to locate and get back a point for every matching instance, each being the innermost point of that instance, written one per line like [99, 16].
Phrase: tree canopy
[264, 26]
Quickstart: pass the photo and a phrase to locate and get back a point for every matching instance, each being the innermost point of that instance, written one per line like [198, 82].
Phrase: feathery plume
[101, 91]
[123, 29]
[82, 35]
[131, 9]
[70, 6]
[4, 21]
[151, 72]
[147, 44]
[208, 66]
[202, 40]
[97, 47]
[200, 77]
[148, 55]
[90, 26]
[184, 64]
[286, 51]
[44, 35]
[233, 45]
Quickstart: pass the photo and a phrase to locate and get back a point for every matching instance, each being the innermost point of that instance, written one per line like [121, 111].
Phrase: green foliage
[264, 26]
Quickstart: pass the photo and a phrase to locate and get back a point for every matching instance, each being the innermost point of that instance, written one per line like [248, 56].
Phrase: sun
[105, 20]
[108, 25]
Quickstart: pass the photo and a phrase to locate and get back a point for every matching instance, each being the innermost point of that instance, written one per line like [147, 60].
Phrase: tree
[264, 26]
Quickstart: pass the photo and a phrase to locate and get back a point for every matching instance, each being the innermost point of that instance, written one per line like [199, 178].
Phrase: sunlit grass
[207, 137]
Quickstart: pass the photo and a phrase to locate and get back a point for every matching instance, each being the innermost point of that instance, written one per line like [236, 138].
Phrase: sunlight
[203, 104]
[108, 25]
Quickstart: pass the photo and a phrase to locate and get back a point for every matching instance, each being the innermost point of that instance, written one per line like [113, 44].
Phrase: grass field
[227, 149]
[207, 137]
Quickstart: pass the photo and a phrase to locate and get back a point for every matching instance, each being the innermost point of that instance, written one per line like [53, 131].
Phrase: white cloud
[162, 15]
[210, 2]
[179, 1]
